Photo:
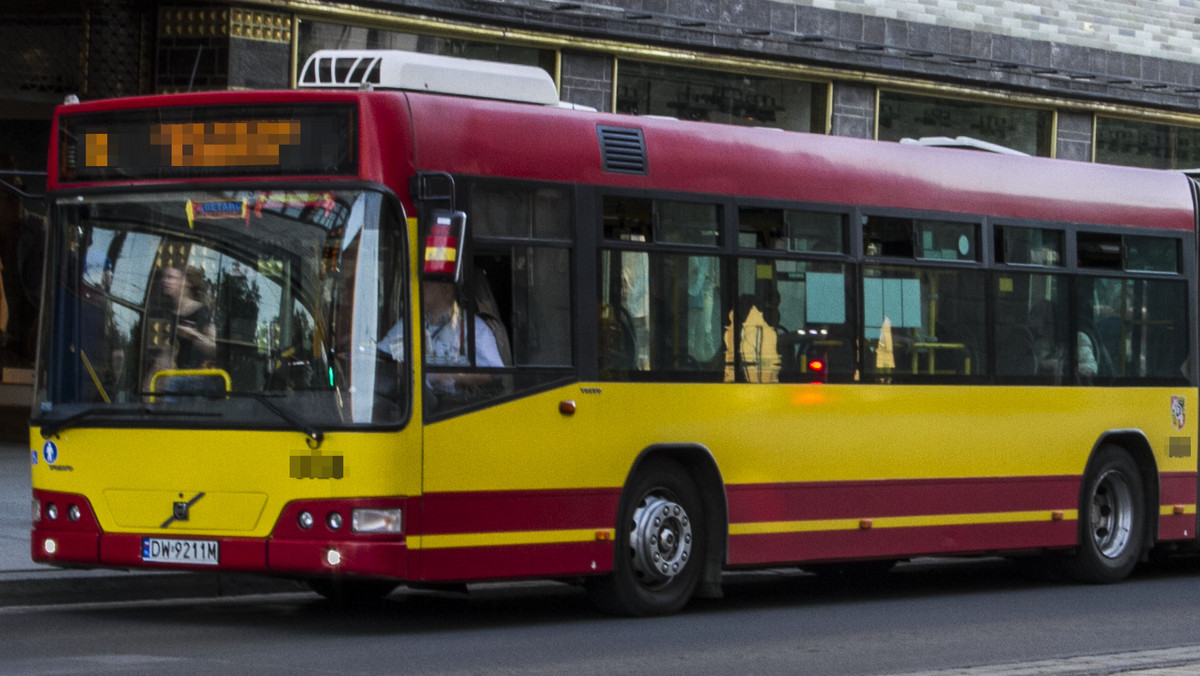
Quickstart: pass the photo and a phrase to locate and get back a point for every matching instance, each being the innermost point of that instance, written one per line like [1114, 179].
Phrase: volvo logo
[180, 510]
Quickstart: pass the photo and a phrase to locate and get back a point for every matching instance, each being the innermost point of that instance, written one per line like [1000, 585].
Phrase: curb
[39, 588]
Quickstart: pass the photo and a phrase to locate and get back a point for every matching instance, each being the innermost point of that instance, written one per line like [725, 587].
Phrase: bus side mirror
[444, 240]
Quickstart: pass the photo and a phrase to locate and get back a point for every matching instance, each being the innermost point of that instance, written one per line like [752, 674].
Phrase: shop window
[314, 35]
[904, 115]
[713, 96]
[1145, 144]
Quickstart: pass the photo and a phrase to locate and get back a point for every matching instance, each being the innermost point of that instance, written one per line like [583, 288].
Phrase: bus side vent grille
[623, 150]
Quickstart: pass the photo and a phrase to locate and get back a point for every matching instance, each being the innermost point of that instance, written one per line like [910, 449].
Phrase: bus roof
[477, 137]
[403, 131]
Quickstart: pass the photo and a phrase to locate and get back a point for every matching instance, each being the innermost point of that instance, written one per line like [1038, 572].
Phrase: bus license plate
[194, 552]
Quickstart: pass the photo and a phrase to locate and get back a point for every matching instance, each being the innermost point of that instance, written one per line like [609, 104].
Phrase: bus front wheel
[660, 543]
[1112, 519]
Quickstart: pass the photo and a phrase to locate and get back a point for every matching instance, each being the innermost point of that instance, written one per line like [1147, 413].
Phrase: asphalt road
[929, 616]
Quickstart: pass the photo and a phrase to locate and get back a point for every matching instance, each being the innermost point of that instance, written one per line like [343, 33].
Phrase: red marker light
[816, 366]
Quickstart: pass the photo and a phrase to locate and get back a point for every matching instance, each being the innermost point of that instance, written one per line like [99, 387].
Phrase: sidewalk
[23, 582]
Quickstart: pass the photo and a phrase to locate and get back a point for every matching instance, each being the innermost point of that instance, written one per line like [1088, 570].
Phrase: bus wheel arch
[674, 493]
[1117, 513]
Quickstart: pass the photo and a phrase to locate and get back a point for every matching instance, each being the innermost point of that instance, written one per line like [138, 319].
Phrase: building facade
[1113, 81]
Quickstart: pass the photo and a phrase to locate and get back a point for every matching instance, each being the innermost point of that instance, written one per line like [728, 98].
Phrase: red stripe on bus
[1177, 488]
[505, 511]
[516, 561]
[776, 548]
[907, 497]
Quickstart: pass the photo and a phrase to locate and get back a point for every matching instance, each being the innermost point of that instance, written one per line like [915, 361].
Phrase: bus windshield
[245, 308]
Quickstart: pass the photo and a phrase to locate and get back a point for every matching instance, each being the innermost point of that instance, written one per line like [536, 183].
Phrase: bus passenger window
[661, 317]
[1135, 328]
[923, 324]
[792, 324]
[1031, 336]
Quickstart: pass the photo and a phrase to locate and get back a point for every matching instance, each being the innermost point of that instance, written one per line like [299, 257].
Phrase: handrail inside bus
[190, 373]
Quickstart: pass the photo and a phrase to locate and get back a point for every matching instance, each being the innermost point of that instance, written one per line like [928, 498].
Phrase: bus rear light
[376, 520]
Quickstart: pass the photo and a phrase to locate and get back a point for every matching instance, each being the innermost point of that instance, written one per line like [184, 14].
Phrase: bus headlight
[376, 520]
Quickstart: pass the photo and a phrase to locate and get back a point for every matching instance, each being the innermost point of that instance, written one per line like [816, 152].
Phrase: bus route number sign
[193, 552]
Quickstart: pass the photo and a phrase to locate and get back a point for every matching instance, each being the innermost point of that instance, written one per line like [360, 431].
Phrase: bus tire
[1112, 519]
[660, 544]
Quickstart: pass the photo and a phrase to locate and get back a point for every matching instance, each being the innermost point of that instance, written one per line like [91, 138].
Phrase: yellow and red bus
[417, 322]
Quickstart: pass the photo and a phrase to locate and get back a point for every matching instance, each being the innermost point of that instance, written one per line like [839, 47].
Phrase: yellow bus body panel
[776, 433]
[132, 476]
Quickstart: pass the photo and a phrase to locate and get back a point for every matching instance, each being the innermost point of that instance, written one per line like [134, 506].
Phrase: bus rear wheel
[1112, 519]
[660, 545]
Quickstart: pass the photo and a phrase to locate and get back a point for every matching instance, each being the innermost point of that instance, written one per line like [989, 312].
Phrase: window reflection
[288, 297]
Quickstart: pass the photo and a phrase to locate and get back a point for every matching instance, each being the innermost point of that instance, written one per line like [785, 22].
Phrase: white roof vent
[414, 71]
[965, 142]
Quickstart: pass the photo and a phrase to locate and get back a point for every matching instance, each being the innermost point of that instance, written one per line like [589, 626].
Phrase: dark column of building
[587, 80]
[1074, 136]
[118, 39]
[260, 53]
[853, 110]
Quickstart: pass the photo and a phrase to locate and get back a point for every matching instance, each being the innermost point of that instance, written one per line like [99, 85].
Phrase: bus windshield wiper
[315, 436]
[50, 428]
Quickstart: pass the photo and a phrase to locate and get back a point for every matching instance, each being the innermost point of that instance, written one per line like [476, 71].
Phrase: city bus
[417, 322]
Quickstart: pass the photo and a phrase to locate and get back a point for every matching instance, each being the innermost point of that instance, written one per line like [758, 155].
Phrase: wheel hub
[661, 539]
[1112, 514]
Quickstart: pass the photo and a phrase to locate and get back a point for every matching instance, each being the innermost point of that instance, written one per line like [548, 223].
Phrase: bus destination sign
[267, 140]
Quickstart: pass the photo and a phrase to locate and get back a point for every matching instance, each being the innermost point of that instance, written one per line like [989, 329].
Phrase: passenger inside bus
[185, 334]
